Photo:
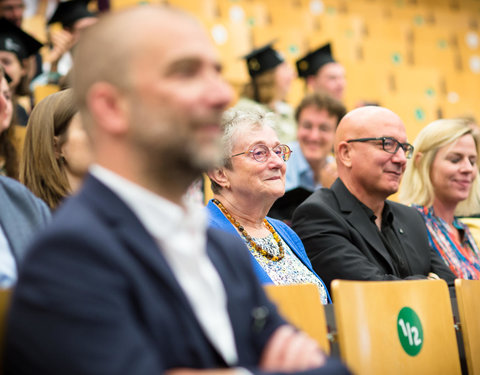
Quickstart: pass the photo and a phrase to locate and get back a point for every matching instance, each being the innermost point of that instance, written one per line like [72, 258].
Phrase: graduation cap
[310, 63]
[15, 40]
[262, 59]
[284, 206]
[69, 12]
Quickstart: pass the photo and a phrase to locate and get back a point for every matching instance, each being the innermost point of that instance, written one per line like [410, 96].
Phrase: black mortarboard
[284, 206]
[262, 59]
[310, 63]
[15, 40]
[69, 12]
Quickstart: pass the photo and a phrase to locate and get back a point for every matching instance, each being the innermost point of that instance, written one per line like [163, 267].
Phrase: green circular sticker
[410, 331]
[419, 114]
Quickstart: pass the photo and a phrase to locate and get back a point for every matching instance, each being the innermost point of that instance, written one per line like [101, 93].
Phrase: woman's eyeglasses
[261, 153]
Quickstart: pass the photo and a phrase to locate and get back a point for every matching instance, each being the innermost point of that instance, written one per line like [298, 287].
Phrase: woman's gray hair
[234, 120]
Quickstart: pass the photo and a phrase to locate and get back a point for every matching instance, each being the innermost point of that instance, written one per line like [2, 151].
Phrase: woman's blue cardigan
[218, 220]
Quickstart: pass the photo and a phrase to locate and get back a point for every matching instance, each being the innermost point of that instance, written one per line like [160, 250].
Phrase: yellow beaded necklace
[241, 229]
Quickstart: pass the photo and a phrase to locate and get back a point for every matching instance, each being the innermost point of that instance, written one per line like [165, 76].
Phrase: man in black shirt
[351, 231]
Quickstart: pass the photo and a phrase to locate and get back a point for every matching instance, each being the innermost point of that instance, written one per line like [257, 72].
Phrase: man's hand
[289, 350]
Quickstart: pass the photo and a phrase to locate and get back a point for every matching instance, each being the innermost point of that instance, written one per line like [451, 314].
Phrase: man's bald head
[149, 87]
[361, 122]
[369, 171]
[107, 49]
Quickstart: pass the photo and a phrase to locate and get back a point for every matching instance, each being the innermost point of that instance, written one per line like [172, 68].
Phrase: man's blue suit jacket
[96, 296]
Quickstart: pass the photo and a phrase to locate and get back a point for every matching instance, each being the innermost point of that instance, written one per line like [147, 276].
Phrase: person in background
[271, 77]
[16, 46]
[57, 151]
[8, 153]
[75, 18]
[12, 10]
[21, 215]
[441, 182]
[351, 231]
[128, 279]
[322, 72]
[312, 165]
[250, 179]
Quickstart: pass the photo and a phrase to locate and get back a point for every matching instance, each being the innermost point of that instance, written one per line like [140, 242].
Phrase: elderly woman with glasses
[441, 182]
[245, 186]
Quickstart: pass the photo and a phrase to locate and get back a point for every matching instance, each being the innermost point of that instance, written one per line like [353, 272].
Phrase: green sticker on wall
[419, 114]
[396, 58]
[410, 331]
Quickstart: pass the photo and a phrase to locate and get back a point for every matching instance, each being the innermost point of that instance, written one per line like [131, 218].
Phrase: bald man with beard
[128, 279]
[351, 231]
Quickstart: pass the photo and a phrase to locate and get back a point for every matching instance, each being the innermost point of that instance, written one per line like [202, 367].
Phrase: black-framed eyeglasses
[389, 144]
[261, 153]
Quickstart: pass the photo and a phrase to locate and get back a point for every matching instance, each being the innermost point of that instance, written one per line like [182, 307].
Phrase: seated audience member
[74, 17]
[21, 215]
[251, 178]
[271, 78]
[16, 46]
[441, 180]
[57, 151]
[322, 73]
[8, 152]
[14, 11]
[312, 166]
[351, 231]
[128, 279]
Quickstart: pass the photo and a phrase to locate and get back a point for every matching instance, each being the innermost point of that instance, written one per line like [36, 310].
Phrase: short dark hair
[321, 100]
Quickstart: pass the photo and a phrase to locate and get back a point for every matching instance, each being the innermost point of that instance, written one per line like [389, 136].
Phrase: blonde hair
[416, 187]
[40, 169]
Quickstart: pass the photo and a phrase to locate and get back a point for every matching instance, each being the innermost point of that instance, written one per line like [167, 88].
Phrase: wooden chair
[396, 327]
[300, 304]
[5, 295]
[468, 300]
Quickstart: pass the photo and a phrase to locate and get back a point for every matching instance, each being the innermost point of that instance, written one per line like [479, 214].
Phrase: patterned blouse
[289, 270]
[462, 257]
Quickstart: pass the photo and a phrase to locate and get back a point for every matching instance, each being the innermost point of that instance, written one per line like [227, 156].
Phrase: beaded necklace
[241, 229]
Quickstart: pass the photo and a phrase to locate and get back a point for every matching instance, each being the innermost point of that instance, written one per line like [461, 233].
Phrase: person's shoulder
[407, 215]
[222, 239]
[324, 197]
[227, 244]
[14, 187]
[397, 207]
[21, 197]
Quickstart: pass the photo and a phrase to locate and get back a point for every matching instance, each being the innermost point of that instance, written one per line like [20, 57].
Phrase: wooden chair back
[396, 327]
[468, 300]
[300, 304]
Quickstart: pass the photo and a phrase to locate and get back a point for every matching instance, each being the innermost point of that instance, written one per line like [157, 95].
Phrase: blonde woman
[441, 181]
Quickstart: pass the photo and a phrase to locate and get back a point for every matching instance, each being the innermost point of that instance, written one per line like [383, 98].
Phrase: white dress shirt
[180, 232]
